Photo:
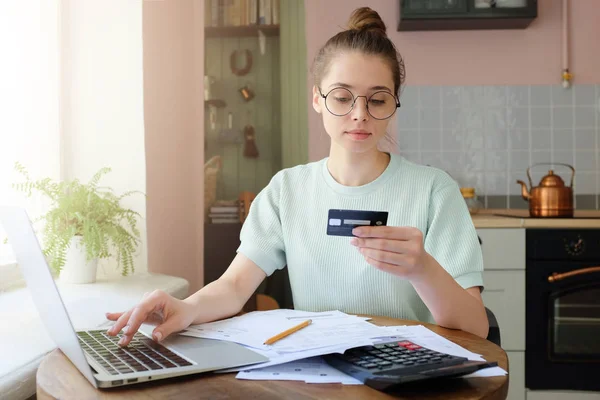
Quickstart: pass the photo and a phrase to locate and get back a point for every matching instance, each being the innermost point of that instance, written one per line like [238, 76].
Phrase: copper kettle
[551, 198]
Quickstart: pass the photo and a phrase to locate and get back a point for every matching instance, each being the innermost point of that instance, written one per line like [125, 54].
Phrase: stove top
[583, 214]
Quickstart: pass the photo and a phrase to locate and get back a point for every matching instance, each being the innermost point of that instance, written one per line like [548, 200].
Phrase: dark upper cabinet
[430, 15]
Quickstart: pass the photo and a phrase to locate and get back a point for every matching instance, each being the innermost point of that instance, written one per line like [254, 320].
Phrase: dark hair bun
[366, 19]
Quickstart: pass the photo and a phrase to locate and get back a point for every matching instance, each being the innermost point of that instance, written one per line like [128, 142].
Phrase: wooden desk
[58, 378]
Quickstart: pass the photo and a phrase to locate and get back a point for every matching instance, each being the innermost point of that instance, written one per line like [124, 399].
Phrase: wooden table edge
[45, 389]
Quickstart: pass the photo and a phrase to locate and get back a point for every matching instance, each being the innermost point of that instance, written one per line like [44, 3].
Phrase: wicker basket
[211, 172]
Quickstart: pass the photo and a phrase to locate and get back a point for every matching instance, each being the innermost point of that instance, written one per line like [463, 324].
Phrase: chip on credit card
[341, 222]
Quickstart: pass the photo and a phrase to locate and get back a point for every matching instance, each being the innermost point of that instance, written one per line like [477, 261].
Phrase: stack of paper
[310, 370]
[329, 332]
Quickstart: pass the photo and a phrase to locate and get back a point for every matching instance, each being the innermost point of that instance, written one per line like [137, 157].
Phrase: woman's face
[362, 75]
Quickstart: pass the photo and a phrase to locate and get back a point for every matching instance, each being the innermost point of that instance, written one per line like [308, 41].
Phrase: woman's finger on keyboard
[141, 313]
[113, 316]
[121, 322]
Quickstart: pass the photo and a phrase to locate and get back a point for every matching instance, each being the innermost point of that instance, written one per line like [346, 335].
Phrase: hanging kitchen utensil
[250, 149]
[230, 135]
[551, 198]
[247, 92]
[208, 84]
[233, 58]
[213, 105]
[262, 42]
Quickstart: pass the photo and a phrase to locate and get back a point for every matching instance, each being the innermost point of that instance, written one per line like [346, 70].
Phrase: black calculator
[385, 365]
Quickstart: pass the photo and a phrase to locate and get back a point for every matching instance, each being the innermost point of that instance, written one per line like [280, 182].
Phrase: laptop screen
[43, 290]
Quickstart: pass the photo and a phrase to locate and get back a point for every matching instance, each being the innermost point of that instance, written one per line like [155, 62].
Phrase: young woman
[425, 265]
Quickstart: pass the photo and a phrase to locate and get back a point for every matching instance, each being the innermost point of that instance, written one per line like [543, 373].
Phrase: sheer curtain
[29, 101]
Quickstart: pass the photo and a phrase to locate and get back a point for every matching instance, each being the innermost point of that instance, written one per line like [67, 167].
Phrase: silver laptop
[96, 354]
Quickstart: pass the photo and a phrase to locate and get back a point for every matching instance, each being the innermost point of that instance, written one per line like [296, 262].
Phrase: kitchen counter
[511, 218]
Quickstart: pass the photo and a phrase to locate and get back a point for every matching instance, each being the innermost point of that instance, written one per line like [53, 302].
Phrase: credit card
[341, 222]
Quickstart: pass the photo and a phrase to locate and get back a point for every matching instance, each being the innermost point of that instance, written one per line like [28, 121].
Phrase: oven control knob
[575, 246]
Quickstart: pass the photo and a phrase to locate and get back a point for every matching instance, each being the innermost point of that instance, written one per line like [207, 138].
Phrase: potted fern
[85, 223]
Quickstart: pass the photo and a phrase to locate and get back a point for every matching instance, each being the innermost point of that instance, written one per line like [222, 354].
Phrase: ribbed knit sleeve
[451, 237]
[261, 236]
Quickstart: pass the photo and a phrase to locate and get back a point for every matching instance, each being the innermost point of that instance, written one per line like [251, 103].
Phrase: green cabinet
[416, 15]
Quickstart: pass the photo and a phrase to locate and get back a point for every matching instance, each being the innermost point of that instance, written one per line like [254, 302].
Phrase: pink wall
[173, 37]
[495, 57]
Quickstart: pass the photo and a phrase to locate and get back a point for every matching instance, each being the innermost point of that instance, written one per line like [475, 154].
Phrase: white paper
[276, 358]
[310, 370]
[278, 369]
[427, 338]
[253, 329]
[250, 329]
[329, 332]
[493, 371]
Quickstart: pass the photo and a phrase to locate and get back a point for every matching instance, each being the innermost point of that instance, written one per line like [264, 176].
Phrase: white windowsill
[23, 338]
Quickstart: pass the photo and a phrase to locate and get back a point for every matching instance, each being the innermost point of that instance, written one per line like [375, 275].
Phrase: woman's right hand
[170, 314]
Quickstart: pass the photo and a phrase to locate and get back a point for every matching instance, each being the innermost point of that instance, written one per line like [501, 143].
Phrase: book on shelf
[226, 203]
[275, 12]
[224, 212]
[224, 215]
[264, 12]
[235, 220]
[225, 209]
[241, 12]
[252, 12]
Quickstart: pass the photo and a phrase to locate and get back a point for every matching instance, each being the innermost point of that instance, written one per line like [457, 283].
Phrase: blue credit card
[341, 222]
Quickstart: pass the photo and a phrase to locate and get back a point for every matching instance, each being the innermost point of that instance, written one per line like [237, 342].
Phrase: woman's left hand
[395, 249]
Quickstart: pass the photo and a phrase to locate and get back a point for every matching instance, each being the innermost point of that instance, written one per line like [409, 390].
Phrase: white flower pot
[76, 269]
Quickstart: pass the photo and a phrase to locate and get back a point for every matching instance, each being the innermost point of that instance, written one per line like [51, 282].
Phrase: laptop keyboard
[141, 354]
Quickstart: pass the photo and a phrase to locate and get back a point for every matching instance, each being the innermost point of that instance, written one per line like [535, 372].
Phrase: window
[29, 100]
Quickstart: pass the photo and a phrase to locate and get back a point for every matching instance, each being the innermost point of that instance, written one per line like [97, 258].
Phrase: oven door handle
[558, 277]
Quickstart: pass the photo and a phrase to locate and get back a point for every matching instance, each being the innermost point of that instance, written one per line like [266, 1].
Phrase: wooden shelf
[215, 102]
[240, 31]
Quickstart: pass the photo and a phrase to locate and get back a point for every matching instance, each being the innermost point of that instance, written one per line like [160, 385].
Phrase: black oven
[562, 348]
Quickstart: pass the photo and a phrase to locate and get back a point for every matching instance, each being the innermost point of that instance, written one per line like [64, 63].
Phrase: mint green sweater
[287, 222]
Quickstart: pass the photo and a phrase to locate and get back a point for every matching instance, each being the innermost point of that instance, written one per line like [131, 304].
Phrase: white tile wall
[487, 136]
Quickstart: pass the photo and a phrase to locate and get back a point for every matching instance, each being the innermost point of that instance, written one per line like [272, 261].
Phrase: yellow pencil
[288, 332]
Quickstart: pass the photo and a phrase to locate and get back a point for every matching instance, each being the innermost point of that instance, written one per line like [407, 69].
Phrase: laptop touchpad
[210, 354]
[186, 343]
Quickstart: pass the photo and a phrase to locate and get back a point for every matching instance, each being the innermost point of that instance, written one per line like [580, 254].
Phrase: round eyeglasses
[380, 105]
